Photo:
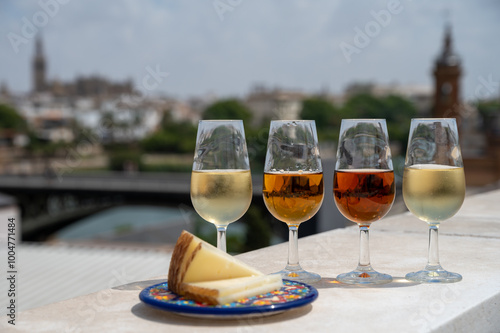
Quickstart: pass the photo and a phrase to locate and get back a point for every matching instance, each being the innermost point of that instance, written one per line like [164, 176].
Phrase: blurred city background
[99, 102]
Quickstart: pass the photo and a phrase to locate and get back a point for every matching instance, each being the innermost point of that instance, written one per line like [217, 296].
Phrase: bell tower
[39, 83]
[447, 72]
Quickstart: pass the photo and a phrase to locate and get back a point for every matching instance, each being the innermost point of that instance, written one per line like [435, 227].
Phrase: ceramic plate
[291, 295]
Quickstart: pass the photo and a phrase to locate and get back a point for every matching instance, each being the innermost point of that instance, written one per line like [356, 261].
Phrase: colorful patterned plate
[292, 295]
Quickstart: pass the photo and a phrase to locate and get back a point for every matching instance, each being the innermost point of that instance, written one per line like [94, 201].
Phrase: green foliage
[259, 231]
[228, 109]
[320, 110]
[120, 160]
[173, 137]
[397, 111]
[488, 108]
[171, 167]
[364, 106]
[489, 111]
[9, 118]
[43, 147]
[34, 144]
[257, 143]
[256, 137]
[161, 142]
[326, 115]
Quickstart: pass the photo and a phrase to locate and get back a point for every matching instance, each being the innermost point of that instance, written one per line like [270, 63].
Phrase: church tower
[447, 71]
[39, 83]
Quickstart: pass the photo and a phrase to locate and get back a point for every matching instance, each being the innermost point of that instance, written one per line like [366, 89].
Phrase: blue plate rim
[243, 310]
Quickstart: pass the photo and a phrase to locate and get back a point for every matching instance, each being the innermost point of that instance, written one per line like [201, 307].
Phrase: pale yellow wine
[433, 192]
[221, 196]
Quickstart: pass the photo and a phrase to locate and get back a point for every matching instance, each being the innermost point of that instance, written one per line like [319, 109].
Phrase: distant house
[274, 104]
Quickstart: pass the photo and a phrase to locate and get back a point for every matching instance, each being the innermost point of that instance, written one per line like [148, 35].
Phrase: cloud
[282, 43]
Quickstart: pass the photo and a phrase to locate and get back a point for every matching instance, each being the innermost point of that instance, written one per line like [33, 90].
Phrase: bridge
[109, 182]
[48, 202]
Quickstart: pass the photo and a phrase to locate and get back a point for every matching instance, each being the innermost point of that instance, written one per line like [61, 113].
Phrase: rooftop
[469, 245]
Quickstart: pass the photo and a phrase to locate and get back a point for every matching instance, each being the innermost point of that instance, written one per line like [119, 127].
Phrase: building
[479, 138]
[267, 104]
[39, 67]
[420, 95]
[447, 72]
[5, 96]
[56, 109]
[91, 86]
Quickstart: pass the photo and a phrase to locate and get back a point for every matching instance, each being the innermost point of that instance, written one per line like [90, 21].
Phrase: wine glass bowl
[221, 182]
[293, 184]
[281, 202]
[433, 186]
[364, 186]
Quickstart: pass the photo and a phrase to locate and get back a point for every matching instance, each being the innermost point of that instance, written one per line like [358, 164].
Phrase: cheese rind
[230, 290]
[195, 260]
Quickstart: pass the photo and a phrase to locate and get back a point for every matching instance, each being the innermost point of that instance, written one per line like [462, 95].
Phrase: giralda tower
[39, 83]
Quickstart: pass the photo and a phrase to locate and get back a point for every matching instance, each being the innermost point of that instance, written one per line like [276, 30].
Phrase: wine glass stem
[293, 248]
[433, 260]
[221, 237]
[364, 249]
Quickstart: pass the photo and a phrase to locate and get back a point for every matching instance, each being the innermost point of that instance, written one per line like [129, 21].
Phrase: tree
[11, 119]
[397, 111]
[489, 110]
[326, 115]
[173, 137]
[256, 138]
[363, 106]
[318, 109]
[228, 109]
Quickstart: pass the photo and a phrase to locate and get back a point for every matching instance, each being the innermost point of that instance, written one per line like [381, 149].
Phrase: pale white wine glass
[433, 186]
[293, 184]
[221, 183]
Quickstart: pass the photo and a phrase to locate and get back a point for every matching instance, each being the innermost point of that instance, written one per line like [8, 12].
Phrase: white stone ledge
[469, 245]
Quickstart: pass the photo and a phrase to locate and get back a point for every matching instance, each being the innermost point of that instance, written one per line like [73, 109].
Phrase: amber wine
[433, 192]
[364, 195]
[221, 196]
[293, 197]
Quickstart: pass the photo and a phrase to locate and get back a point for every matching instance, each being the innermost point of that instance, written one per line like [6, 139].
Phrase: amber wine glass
[293, 184]
[433, 185]
[364, 187]
[221, 183]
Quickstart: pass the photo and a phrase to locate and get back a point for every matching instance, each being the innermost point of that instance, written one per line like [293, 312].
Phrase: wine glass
[293, 184]
[221, 183]
[433, 185]
[364, 187]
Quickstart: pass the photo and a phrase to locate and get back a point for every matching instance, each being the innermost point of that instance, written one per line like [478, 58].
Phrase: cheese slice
[231, 290]
[195, 260]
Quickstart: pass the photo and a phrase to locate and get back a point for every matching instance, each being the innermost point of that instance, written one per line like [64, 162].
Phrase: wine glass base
[299, 276]
[433, 276]
[364, 277]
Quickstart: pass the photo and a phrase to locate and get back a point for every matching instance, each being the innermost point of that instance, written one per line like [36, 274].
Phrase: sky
[225, 47]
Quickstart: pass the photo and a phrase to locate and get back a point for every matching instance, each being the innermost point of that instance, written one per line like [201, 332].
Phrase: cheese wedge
[195, 260]
[231, 290]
